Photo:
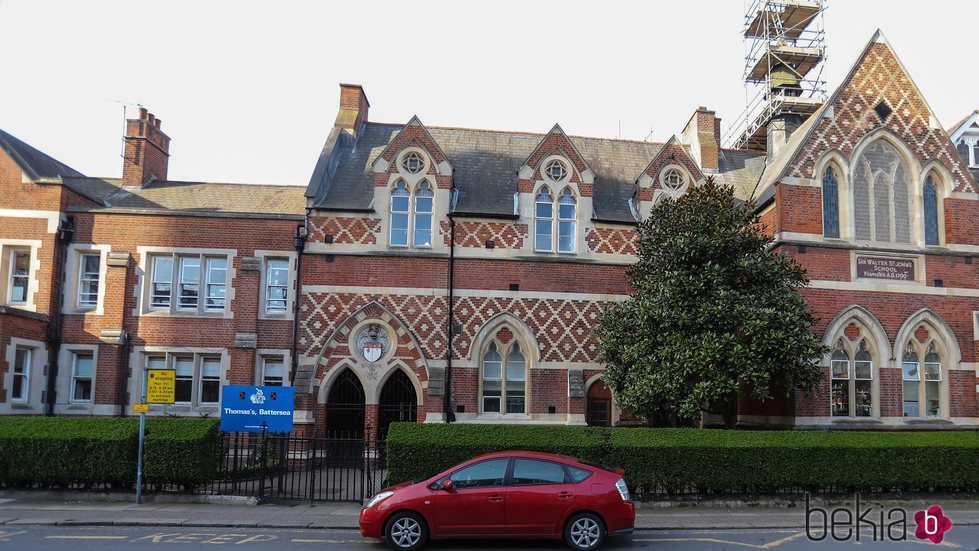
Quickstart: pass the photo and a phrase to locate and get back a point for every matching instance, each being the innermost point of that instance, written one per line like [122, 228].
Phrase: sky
[248, 91]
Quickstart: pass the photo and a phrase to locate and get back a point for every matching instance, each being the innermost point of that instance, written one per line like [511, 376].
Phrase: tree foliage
[714, 312]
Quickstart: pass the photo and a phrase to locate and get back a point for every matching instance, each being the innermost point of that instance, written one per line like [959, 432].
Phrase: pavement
[245, 514]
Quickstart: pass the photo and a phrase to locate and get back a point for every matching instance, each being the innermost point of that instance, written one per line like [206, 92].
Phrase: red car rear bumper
[621, 518]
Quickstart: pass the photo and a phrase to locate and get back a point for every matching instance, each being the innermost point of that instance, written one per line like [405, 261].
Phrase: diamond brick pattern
[562, 327]
[612, 241]
[355, 231]
[880, 77]
[505, 235]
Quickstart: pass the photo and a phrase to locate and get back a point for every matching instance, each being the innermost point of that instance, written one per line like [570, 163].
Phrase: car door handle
[565, 495]
[495, 499]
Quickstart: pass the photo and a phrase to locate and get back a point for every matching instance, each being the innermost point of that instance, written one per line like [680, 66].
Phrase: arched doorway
[345, 407]
[398, 402]
[598, 405]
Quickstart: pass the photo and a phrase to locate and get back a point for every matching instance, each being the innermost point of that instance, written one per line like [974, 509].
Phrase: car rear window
[578, 474]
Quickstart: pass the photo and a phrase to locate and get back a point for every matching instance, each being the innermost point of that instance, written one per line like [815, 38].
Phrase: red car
[507, 495]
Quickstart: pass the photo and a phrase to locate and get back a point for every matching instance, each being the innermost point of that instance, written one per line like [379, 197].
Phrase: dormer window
[556, 171]
[413, 163]
[544, 223]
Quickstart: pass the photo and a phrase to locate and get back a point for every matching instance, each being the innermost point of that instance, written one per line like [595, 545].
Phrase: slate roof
[485, 165]
[34, 162]
[198, 198]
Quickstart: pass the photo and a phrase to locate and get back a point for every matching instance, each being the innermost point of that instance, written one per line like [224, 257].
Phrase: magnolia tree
[714, 313]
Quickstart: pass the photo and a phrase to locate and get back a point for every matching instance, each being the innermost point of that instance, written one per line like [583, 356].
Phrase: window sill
[928, 421]
[21, 405]
[857, 420]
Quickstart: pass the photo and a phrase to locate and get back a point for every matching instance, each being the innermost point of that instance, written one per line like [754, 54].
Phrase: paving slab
[5, 520]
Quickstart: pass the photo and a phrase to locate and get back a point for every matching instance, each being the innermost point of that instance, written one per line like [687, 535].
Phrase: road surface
[46, 538]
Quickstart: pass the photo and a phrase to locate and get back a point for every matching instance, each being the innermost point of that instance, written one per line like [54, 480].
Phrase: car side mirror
[447, 485]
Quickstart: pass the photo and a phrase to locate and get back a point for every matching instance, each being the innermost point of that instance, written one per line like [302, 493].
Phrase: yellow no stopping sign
[160, 385]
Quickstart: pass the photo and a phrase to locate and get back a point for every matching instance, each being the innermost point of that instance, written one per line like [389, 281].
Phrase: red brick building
[449, 273]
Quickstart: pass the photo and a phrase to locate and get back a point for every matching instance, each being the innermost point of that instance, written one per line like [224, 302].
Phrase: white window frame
[87, 277]
[267, 256]
[75, 378]
[417, 193]
[210, 288]
[8, 248]
[201, 360]
[26, 376]
[12, 276]
[149, 256]
[573, 221]
[169, 355]
[548, 219]
[399, 213]
[266, 359]
[504, 351]
[268, 286]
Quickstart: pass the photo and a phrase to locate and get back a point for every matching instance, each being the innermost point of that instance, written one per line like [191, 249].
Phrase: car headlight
[623, 489]
[377, 498]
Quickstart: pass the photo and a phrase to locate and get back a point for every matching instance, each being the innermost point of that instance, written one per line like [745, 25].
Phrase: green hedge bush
[61, 451]
[182, 451]
[676, 461]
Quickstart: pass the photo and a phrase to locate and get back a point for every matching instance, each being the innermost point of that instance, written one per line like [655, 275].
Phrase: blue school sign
[246, 408]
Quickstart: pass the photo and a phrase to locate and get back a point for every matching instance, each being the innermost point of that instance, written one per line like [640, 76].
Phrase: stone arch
[391, 370]
[943, 337]
[948, 342]
[614, 412]
[491, 326]
[869, 321]
[340, 337]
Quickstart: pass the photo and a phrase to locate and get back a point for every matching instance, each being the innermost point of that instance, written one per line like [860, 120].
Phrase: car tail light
[623, 489]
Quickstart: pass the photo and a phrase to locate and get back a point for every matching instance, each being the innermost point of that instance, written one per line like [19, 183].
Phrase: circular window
[673, 179]
[556, 171]
[413, 163]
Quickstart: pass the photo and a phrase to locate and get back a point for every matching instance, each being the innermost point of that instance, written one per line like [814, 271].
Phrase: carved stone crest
[373, 343]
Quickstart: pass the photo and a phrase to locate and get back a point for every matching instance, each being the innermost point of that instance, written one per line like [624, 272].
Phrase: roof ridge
[522, 132]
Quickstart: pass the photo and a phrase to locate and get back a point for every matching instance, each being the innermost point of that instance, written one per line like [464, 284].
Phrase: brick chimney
[703, 135]
[147, 150]
[353, 107]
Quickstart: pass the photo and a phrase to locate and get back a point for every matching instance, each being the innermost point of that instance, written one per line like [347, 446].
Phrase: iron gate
[281, 468]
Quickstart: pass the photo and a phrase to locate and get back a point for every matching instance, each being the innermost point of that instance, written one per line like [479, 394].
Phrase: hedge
[63, 451]
[701, 461]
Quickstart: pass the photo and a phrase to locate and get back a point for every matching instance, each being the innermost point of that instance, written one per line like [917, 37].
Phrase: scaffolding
[785, 54]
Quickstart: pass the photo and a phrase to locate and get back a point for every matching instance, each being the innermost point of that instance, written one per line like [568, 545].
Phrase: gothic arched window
[831, 204]
[930, 204]
[881, 195]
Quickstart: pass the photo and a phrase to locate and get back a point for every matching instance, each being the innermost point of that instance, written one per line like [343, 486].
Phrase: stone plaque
[875, 267]
[576, 383]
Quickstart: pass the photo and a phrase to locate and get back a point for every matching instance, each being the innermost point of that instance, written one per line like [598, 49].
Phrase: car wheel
[584, 532]
[406, 532]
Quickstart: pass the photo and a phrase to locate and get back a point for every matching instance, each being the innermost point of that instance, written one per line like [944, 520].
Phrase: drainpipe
[300, 244]
[124, 349]
[66, 230]
[450, 415]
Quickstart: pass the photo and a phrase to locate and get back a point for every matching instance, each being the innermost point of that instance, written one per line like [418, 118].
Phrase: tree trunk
[731, 412]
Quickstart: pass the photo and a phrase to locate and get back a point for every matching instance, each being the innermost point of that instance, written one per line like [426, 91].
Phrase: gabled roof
[963, 124]
[788, 160]
[36, 164]
[670, 150]
[396, 146]
[558, 132]
[192, 198]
